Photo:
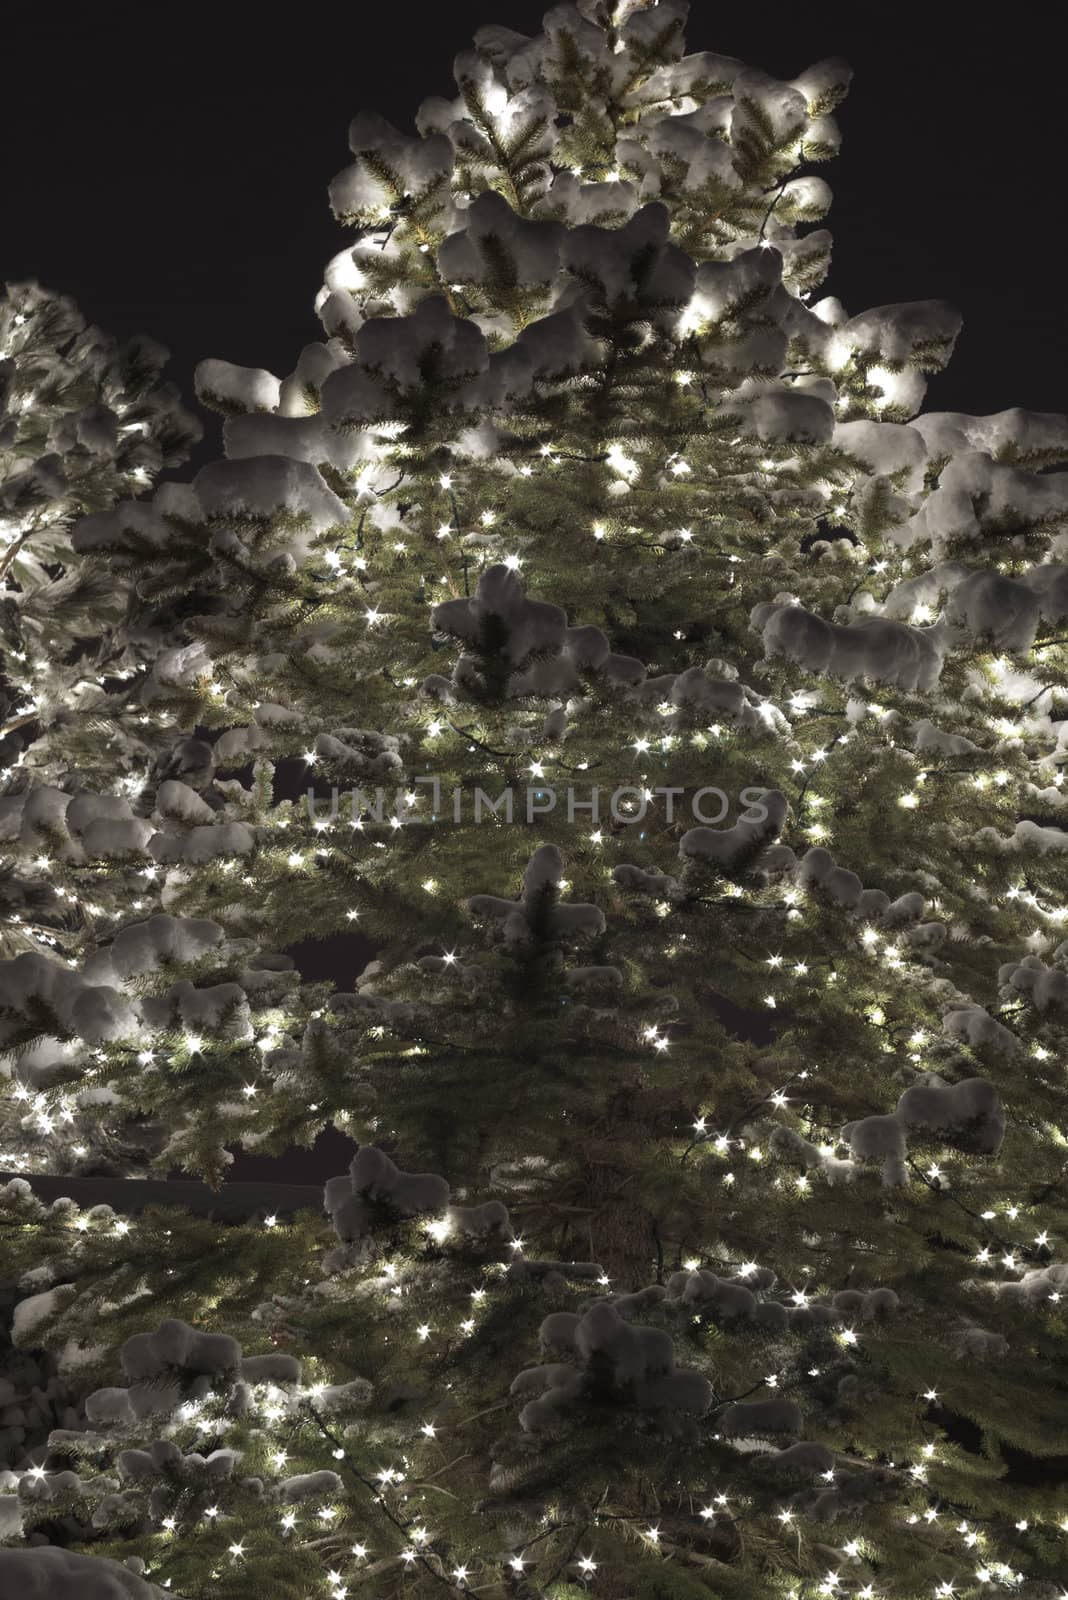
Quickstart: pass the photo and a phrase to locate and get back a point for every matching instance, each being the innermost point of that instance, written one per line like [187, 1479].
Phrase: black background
[168, 168]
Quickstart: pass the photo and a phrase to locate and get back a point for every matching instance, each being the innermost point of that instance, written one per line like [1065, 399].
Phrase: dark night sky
[174, 180]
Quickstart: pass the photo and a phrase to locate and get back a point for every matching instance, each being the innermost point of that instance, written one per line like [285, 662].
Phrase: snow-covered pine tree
[84, 421]
[706, 1231]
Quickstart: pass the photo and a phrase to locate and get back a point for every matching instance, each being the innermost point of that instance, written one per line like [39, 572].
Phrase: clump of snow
[539, 913]
[970, 1022]
[374, 1188]
[1029, 438]
[967, 1115]
[227, 388]
[143, 947]
[1037, 1286]
[392, 357]
[36, 1309]
[360, 752]
[388, 166]
[1046, 985]
[482, 1221]
[263, 486]
[221, 1009]
[276, 1368]
[522, 647]
[613, 1361]
[164, 1368]
[818, 870]
[921, 333]
[97, 1013]
[796, 1461]
[322, 1485]
[209, 842]
[163, 1458]
[653, 884]
[493, 233]
[52, 1573]
[175, 1346]
[785, 415]
[754, 1419]
[977, 496]
[732, 848]
[872, 648]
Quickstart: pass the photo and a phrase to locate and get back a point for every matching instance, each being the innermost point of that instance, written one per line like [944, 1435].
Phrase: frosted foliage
[84, 420]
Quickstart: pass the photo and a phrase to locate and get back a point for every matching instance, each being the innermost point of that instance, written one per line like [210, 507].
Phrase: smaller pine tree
[84, 422]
